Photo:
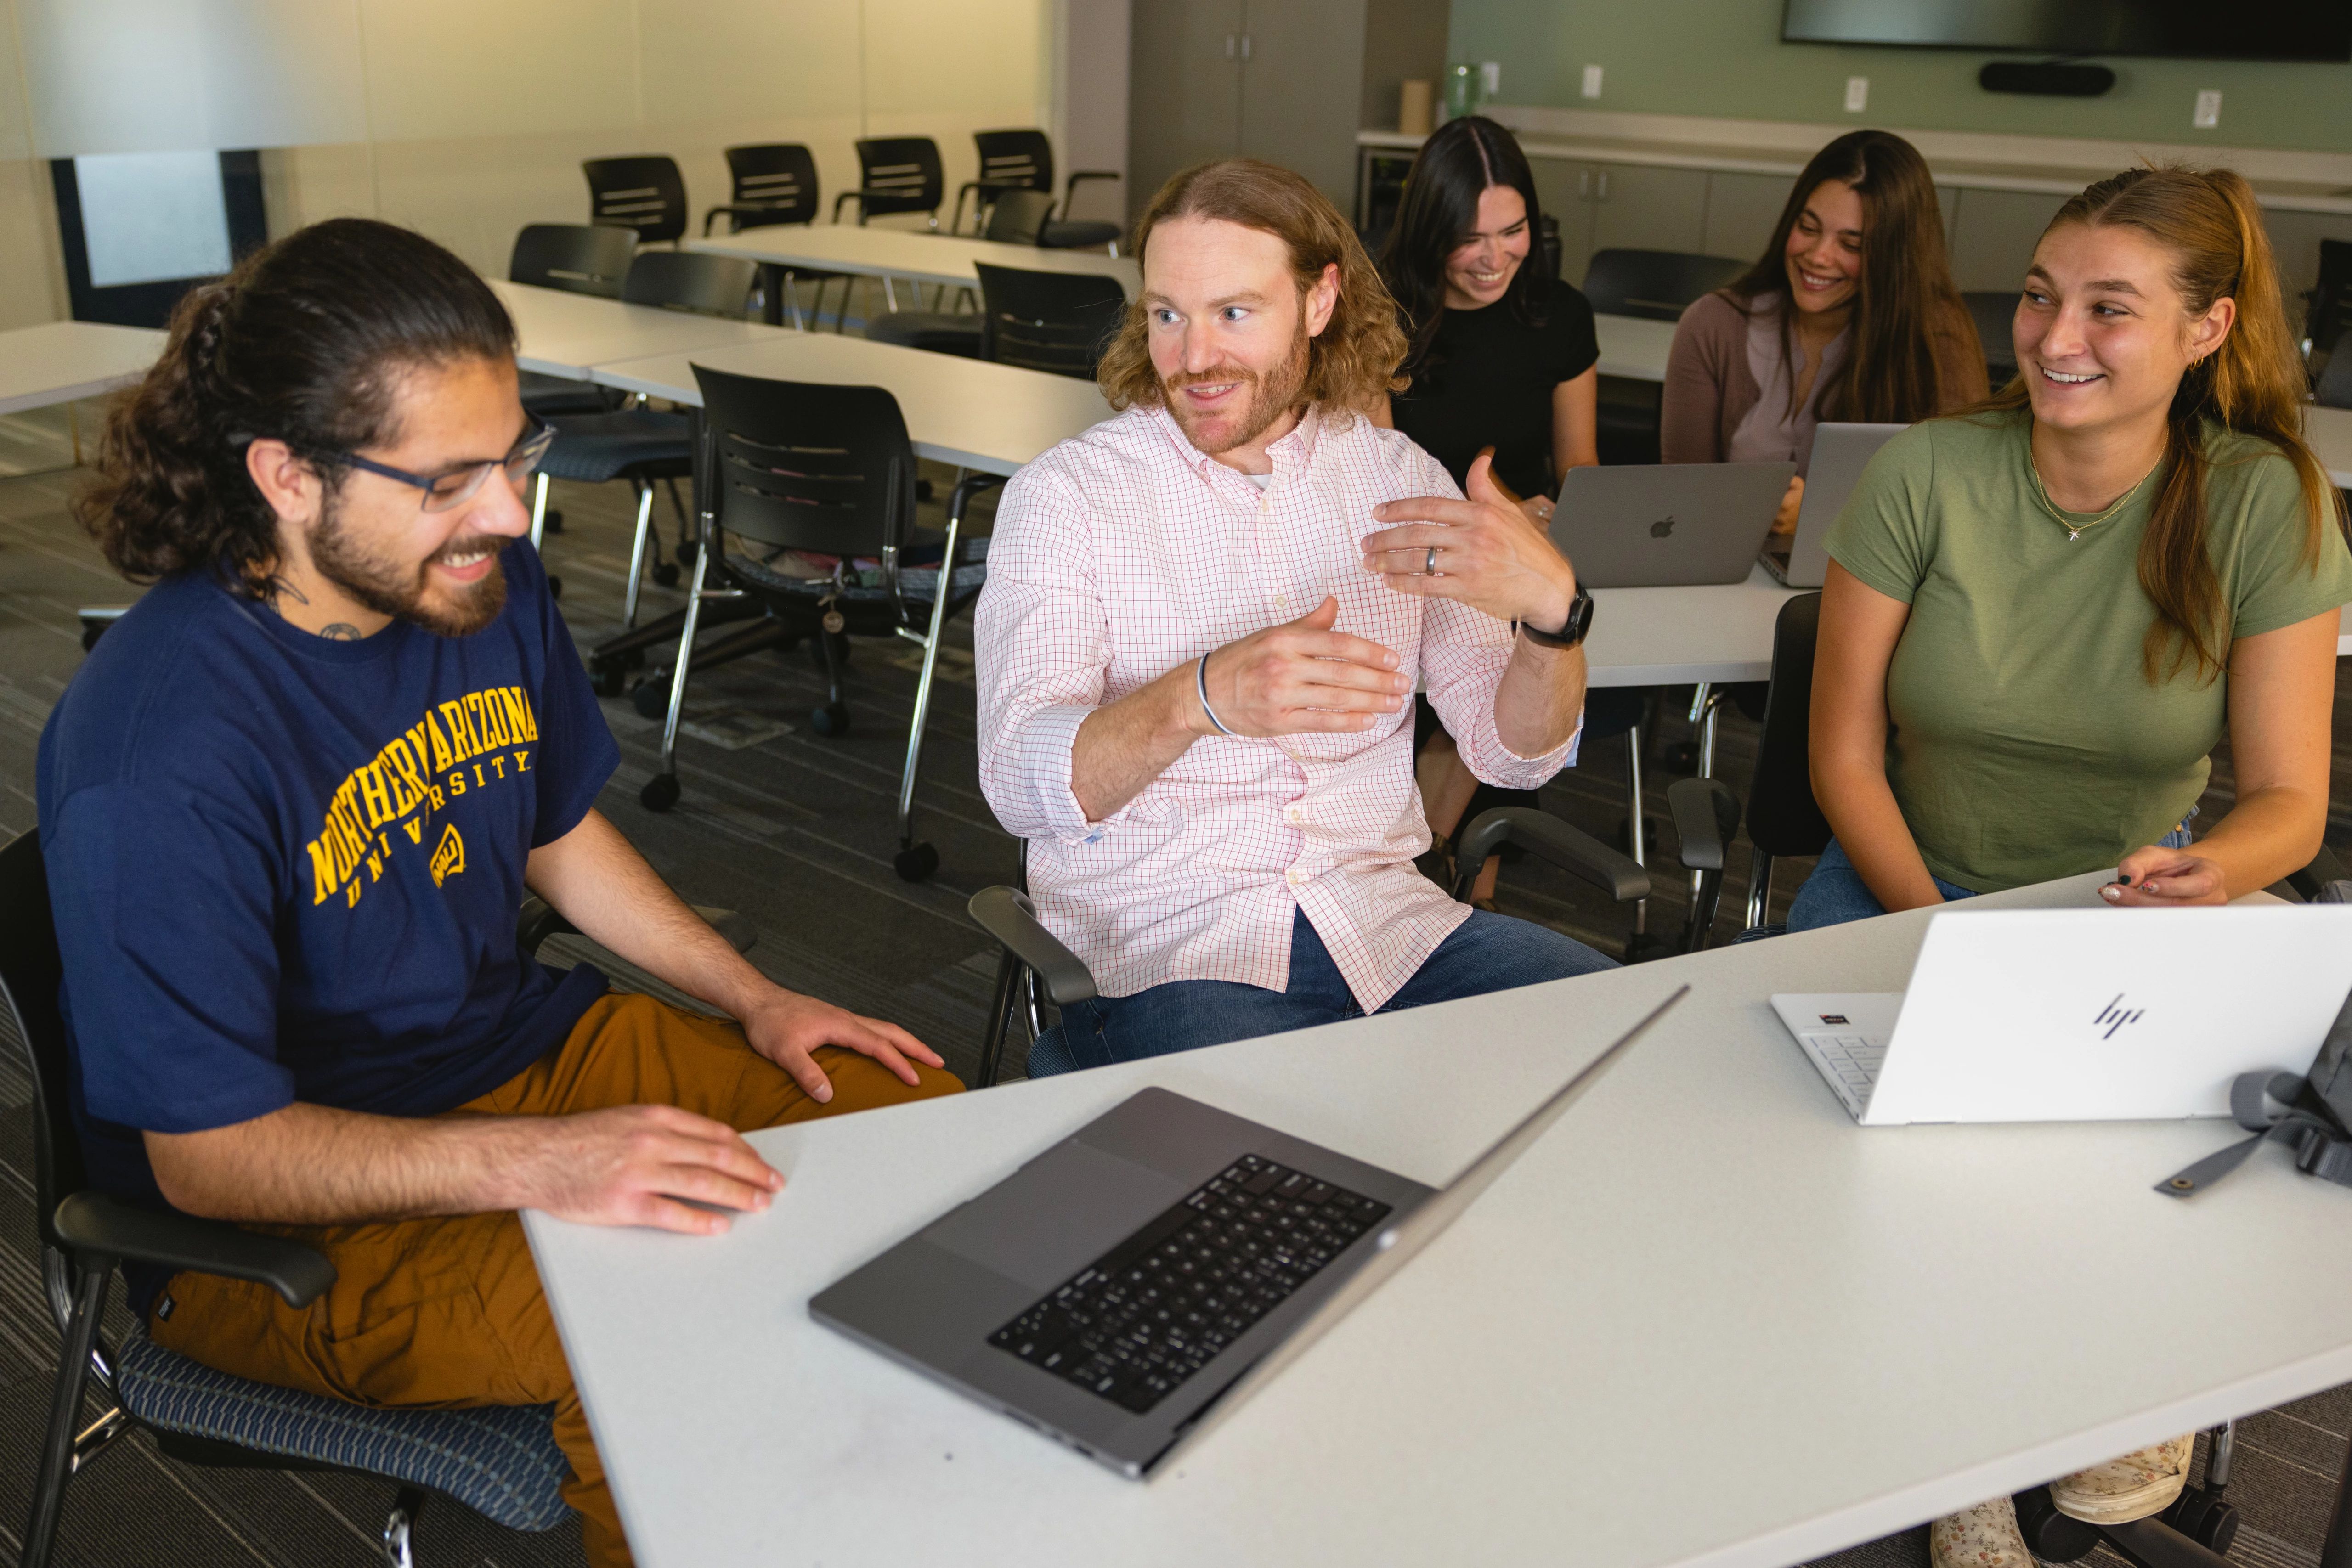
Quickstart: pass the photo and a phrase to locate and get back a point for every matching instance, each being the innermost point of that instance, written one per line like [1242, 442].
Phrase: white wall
[1089, 40]
[468, 119]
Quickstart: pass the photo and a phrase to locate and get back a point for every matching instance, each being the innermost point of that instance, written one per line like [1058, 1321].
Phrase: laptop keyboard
[1152, 1310]
[1850, 1062]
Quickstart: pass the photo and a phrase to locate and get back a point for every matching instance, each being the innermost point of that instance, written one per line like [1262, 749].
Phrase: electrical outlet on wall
[1592, 81]
[1490, 78]
[1857, 94]
[2208, 110]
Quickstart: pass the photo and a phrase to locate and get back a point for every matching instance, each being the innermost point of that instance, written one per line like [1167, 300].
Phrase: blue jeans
[1836, 893]
[1485, 952]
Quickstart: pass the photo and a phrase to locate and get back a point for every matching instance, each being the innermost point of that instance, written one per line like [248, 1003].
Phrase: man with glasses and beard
[1198, 643]
[290, 809]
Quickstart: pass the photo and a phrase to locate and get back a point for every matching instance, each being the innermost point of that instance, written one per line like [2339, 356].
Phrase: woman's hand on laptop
[1488, 554]
[2160, 878]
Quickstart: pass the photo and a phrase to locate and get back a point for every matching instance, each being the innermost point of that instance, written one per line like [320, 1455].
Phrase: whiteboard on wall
[149, 218]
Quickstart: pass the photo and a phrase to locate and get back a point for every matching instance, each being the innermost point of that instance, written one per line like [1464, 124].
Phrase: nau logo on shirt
[467, 743]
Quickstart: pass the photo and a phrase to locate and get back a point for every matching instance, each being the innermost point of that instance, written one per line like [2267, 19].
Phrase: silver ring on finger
[1429, 564]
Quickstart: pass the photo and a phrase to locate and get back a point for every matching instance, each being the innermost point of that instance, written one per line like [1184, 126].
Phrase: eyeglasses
[456, 488]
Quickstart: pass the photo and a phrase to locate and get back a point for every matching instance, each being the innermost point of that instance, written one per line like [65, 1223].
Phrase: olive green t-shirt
[2026, 742]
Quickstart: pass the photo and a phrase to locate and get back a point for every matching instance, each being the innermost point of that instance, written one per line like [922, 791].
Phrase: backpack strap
[2321, 1146]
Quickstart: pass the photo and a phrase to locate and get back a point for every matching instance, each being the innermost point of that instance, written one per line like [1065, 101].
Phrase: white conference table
[60, 361]
[945, 260]
[970, 412]
[1675, 636]
[1705, 1321]
[1633, 347]
[568, 335]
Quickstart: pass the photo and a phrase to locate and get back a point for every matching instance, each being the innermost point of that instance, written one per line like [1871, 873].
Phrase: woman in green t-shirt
[2041, 614]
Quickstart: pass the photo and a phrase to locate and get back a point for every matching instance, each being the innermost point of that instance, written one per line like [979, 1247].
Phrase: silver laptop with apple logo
[1667, 525]
[1841, 452]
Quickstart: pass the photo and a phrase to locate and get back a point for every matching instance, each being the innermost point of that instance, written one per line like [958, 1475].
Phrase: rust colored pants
[448, 1314]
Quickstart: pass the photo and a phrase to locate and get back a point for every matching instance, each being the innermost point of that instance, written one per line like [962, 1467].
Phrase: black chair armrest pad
[1706, 817]
[1006, 913]
[1571, 849]
[97, 1226]
[2324, 869]
[539, 922]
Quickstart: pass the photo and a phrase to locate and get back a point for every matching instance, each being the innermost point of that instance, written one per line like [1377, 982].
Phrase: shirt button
[1281, 600]
[1294, 815]
[1296, 877]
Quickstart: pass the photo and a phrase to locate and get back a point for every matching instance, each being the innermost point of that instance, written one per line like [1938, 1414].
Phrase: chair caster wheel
[686, 548]
[922, 489]
[650, 698]
[607, 681]
[2203, 1517]
[660, 792]
[916, 862]
[553, 523]
[831, 720]
[665, 573]
[554, 586]
[2051, 1536]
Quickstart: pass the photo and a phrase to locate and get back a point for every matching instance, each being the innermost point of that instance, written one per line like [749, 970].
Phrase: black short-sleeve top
[1488, 382]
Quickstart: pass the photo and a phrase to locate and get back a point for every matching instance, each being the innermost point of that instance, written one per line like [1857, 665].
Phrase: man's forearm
[1540, 698]
[311, 1165]
[1123, 746]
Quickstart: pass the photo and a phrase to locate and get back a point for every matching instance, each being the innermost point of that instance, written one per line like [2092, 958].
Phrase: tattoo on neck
[274, 586]
[340, 631]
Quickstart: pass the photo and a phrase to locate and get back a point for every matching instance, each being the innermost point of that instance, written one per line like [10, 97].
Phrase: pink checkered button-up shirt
[1125, 552]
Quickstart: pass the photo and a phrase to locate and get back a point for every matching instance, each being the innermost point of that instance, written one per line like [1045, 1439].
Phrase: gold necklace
[2075, 530]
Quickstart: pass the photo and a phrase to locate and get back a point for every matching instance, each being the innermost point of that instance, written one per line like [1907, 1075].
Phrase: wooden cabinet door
[1302, 89]
[1639, 207]
[1564, 190]
[1993, 234]
[1184, 93]
[1742, 210]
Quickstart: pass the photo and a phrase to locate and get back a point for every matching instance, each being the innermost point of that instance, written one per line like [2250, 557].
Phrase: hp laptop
[1840, 454]
[1143, 1276]
[2083, 1015]
[1665, 525]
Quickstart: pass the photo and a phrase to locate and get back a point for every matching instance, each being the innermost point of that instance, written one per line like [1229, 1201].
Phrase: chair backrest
[1656, 283]
[1994, 311]
[1055, 321]
[1782, 816]
[691, 281]
[795, 466]
[1548, 243]
[583, 258]
[648, 194]
[899, 174]
[777, 177]
[2334, 388]
[1023, 158]
[2331, 297]
[31, 974]
[1017, 217]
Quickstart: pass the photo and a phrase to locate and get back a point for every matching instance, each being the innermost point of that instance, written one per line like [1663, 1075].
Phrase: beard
[1271, 395]
[399, 589]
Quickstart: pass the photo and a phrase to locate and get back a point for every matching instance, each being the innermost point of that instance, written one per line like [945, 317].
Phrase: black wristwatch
[1579, 621]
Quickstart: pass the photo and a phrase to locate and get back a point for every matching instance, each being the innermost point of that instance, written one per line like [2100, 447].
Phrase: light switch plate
[1857, 94]
[1490, 77]
[2208, 110]
[1592, 81]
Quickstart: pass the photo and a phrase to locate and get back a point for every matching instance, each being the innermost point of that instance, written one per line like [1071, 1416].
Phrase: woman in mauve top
[1878, 334]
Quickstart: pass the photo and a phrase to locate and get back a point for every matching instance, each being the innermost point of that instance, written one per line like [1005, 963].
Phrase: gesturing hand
[2159, 878]
[1302, 676]
[630, 1165]
[1490, 555]
[788, 1026]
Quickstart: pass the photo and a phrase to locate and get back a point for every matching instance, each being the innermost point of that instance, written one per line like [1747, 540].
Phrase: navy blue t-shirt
[286, 868]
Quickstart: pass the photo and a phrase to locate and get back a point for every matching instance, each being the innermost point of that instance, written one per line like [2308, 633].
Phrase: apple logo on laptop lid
[1662, 527]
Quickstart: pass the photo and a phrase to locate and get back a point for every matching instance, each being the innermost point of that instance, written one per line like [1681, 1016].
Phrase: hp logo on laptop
[2115, 1015]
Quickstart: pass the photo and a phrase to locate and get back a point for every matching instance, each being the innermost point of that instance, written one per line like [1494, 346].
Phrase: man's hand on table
[632, 1163]
[1302, 676]
[1490, 554]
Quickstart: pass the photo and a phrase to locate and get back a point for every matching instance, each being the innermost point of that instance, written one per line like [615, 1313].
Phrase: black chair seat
[1077, 233]
[937, 330]
[918, 578]
[594, 448]
[548, 396]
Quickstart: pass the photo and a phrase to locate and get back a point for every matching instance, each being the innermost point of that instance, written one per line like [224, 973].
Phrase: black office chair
[1012, 220]
[578, 259]
[502, 1461]
[1658, 286]
[646, 194]
[2330, 302]
[2334, 388]
[793, 473]
[1035, 967]
[1994, 311]
[776, 184]
[639, 444]
[896, 175]
[1024, 160]
[1059, 322]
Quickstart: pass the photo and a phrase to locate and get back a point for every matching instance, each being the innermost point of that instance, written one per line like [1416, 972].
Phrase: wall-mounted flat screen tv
[2187, 29]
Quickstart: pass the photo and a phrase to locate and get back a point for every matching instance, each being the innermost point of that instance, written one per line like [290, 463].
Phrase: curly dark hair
[302, 343]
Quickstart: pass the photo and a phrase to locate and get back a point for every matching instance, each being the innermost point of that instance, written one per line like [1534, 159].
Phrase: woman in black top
[1502, 356]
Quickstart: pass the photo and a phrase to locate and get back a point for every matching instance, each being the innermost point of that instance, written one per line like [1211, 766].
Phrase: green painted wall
[1725, 58]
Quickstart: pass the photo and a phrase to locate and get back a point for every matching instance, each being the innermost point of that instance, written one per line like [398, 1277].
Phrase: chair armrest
[1006, 913]
[1571, 849]
[857, 196]
[2324, 869]
[539, 922]
[1070, 187]
[1707, 818]
[96, 1226]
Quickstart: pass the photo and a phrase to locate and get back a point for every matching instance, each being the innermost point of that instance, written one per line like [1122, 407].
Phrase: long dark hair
[2210, 223]
[1906, 302]
[303, 343]
[1462, 160]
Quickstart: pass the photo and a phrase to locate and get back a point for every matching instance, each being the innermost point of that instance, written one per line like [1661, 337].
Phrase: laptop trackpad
[1056, 1215]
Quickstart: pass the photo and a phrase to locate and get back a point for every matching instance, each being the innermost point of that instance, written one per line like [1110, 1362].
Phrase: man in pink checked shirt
[1198, 640]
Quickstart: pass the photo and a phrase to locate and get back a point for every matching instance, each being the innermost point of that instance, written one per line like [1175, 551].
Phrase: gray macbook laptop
[1143, 1276]
[1665, 525]
[1841, 452]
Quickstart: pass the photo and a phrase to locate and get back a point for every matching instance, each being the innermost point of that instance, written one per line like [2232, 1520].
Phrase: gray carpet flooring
[796, 830]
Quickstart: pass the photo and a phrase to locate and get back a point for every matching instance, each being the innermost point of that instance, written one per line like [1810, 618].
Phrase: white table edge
[49, 398]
